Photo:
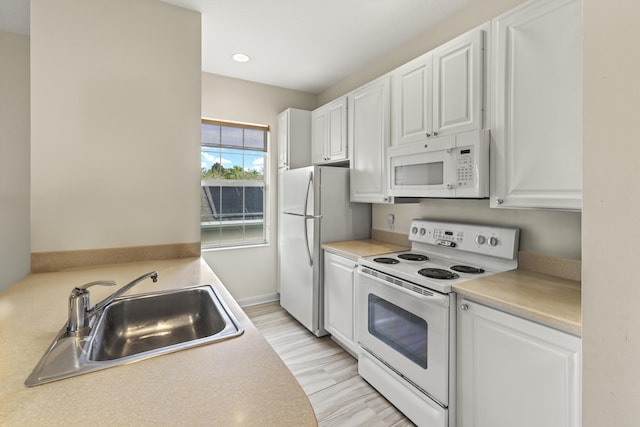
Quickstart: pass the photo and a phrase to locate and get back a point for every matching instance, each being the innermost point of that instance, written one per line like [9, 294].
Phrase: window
[233, 158]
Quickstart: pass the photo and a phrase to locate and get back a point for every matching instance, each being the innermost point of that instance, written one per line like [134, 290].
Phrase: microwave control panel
[464, 166]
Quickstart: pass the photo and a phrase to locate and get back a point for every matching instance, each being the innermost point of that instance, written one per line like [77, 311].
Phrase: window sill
[224, 248]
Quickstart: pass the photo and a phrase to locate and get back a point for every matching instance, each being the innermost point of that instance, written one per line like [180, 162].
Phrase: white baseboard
[260, 299]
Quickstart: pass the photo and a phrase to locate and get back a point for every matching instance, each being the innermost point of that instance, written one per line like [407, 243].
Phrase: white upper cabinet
[537, 106]
[329, 132]
[294, 138]
[413, 101]
[458, 84]
[440, 92]
[369, 134]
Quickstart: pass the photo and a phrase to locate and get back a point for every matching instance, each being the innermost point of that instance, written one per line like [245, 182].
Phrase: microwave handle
[450, 151]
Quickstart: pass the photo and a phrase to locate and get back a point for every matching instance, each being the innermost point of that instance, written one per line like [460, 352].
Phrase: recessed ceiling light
[240, 57]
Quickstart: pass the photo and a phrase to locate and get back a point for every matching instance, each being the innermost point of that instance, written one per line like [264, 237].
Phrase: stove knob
[423, 231]
[480, 239]
[493, 241]
[414, 230]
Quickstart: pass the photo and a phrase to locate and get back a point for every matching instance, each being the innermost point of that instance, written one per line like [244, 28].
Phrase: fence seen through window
[233, 159]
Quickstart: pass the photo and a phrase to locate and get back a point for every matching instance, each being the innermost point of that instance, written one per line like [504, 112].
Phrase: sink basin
[150, 322]
[138, 327]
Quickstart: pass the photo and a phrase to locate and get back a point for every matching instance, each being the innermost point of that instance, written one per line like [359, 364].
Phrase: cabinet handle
[499, 201]
[428, 135]
[435, 134]
[464, 307]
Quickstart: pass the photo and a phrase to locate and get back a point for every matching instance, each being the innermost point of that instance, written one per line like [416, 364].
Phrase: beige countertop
[545, 298]
[540, 297]
[238, 382]
[353, 249]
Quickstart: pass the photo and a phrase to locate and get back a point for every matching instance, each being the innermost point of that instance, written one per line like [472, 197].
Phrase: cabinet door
[369, 119]
[338, 299]
[537, 106]
[458, 85]
[329, 132]
[318, 135]
[413, 101]
[283, 139]
[299, 138]
[337, 130]
[514, 372]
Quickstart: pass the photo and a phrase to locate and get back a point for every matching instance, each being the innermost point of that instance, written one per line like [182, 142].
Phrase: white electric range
[406, 312]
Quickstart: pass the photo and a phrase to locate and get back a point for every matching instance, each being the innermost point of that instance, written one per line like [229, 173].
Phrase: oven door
[407, 327]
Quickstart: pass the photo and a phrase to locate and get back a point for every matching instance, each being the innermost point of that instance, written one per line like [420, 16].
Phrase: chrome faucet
[79, 311]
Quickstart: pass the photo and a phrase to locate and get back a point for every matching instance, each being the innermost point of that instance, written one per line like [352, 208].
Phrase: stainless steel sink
[146, 323]
[138, 327]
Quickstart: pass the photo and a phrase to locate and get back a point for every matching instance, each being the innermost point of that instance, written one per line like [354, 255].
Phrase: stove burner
[385, 260]
[467, 269]
[413, 257]
[438, 273]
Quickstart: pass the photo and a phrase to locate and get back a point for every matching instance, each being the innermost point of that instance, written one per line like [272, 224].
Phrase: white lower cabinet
[339, 313]
[515, 372]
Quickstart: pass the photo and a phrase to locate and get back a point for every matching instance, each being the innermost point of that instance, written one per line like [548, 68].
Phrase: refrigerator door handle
[306, 243]
[306, 231]
[303, 215]
[306, 197]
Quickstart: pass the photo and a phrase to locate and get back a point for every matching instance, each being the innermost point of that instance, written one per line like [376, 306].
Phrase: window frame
[265, 183]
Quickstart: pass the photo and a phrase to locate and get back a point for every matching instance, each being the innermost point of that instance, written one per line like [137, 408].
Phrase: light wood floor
[327, 373]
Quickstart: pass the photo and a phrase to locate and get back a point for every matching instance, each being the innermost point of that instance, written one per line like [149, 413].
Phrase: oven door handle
[408, 288]
[434, 298]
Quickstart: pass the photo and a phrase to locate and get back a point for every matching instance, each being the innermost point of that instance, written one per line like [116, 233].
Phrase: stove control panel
[481, 239]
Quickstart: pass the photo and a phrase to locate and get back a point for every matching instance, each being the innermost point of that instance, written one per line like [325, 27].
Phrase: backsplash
[545, 232]
[43, 262]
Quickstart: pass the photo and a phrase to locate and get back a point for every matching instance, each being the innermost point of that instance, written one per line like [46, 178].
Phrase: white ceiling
[297, 44]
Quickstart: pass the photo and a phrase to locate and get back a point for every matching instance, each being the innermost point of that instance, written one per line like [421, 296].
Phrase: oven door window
[401, 330]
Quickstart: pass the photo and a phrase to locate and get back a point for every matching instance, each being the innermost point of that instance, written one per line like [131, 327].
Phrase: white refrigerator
[314, 208]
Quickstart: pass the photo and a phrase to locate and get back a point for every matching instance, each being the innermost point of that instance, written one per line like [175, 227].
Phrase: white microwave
[455, 166]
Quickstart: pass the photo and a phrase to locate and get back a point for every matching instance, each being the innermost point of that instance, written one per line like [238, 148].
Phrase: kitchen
[609, 389]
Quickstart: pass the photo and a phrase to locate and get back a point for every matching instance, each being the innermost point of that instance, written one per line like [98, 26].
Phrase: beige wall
[14, 158]
[542, 232]
[250, 273]
[474, 14]
[115, 91]
[611, 234]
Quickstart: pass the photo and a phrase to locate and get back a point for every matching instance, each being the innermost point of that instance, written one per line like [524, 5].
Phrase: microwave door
[429, 173]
